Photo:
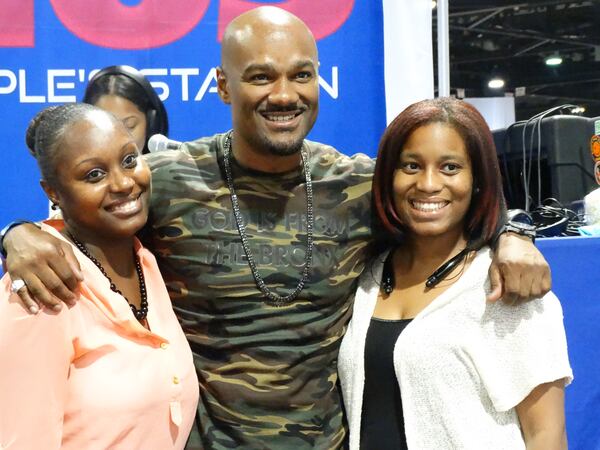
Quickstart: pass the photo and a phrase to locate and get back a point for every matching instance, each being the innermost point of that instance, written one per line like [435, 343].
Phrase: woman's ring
[17, 285]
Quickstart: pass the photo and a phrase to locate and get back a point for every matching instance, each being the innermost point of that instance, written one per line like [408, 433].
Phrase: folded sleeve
[523, 346]
[35, 355]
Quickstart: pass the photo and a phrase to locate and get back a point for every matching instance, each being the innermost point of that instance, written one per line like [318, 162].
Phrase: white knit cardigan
[462, 364]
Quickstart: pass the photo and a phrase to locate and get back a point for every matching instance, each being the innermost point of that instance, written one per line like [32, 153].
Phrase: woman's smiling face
[433, 182]
[102, 183]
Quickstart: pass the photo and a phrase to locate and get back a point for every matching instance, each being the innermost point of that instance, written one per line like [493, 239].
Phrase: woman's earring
[476, 191]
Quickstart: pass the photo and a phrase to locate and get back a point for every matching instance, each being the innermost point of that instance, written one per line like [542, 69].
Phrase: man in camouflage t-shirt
[267, 373]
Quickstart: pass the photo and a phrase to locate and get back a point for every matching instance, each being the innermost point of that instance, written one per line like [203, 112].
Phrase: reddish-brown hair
[487, 210]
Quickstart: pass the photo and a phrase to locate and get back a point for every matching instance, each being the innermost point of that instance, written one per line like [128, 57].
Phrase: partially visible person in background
[128, 95]
[595, 149]
[115, 369]
[426, 363]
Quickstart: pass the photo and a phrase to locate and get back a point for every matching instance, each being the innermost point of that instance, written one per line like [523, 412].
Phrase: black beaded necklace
[141, 313]
[273, 298]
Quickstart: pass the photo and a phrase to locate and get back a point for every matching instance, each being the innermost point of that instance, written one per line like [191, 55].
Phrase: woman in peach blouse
[114, 370]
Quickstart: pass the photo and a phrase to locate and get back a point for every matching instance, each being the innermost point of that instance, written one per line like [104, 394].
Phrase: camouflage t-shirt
[268, 375]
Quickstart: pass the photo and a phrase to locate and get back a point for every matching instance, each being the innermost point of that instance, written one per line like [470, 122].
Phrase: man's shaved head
[261, 23]
[269, 76]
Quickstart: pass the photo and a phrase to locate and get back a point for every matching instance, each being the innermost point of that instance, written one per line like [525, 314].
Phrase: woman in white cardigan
[426, 363]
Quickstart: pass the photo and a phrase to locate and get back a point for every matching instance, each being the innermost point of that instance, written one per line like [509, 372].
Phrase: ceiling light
[433, 4]
[496, 83]
[553, 60]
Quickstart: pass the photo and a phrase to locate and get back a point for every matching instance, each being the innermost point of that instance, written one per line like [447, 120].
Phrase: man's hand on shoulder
[519, 271]
[45, 264]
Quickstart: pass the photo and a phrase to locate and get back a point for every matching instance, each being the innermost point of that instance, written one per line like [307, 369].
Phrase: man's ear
[50, 192]
[222, 88]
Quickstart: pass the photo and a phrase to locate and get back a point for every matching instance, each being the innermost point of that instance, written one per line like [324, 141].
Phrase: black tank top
[382, 424]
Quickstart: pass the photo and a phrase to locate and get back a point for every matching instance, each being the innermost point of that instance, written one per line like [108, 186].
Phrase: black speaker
[556, 151]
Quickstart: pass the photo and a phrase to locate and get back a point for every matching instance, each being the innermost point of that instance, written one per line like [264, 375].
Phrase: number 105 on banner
[148, 24]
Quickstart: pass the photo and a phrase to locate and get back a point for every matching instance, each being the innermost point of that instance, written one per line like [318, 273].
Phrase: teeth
[428, 207]
[279, 118]
[125, 207]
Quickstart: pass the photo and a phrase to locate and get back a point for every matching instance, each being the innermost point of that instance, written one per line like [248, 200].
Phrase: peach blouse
[90, 376]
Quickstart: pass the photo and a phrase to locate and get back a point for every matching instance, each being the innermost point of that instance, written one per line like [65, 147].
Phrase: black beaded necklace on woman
[141, 313]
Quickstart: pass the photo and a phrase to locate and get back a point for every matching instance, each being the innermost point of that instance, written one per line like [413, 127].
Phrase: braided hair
[46, 131]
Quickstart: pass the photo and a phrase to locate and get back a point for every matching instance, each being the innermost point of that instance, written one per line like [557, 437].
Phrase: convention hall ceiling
[512, 40]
